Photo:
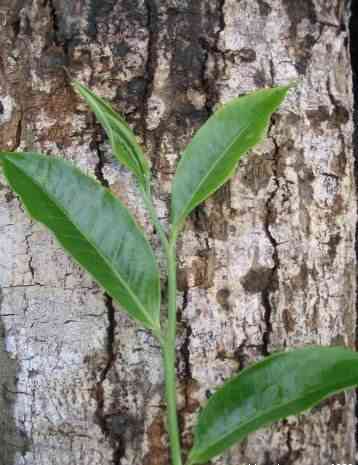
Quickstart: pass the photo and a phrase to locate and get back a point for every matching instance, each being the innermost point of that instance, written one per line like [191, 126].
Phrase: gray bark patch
[297, 11]
[12, 439]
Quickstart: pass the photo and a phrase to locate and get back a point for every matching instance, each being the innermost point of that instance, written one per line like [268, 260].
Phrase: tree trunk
[266, 264]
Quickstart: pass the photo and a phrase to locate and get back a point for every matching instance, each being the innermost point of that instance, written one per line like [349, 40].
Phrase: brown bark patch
[158, 451]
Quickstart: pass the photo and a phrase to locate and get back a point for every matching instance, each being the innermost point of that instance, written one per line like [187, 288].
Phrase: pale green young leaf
[124, 144]
[212, 156]
[281, 385]
[93, 226]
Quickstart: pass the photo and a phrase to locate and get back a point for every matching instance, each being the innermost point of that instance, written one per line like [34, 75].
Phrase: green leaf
[212, 156]
[123, 141]
[281, 385]
[93, 226]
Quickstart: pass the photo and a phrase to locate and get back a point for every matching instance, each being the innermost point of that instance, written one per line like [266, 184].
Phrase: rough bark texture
[268, 263]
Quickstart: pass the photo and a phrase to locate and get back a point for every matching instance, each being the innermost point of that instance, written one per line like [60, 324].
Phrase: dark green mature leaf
[123, 141]
[212, 156]
[93, 226]
[281, 385]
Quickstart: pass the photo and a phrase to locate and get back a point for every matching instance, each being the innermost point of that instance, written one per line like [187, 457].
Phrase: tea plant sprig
[101, 235]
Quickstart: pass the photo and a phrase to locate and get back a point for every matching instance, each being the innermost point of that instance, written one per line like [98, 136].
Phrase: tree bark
[268, 263]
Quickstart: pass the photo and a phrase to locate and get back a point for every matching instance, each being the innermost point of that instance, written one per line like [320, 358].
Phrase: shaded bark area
[353, 28]
[13, 438]
[268, 263]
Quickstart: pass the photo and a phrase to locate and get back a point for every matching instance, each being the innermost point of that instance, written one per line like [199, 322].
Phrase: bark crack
[209, 83]
[289, 443]
[19, 129]
[290, 455]
[184, 349]
[186, 372]
[96, 145]
[28, 252]
[221, 18]
[58, 41]
[101, 416]
[340, 27]
[151, 62]
[205, 82]
[54, 20]
[266, 293]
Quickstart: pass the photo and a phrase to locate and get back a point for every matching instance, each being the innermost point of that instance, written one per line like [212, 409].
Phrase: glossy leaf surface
[281, 385]
[93, 226]
[212, 156]
[122, 138]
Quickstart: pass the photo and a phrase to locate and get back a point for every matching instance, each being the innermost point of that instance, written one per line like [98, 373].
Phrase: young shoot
[100, 233]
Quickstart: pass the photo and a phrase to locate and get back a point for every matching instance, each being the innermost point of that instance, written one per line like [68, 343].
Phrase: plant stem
[147, 198]
[168, 342]
[169, 359]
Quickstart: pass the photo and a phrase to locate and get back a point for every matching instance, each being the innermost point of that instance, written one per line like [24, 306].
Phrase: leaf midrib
[133, 296]
[267, 412]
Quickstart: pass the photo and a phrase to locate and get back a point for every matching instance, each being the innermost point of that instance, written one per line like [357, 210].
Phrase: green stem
[146, 194]
[168, 342]
[169, 359]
